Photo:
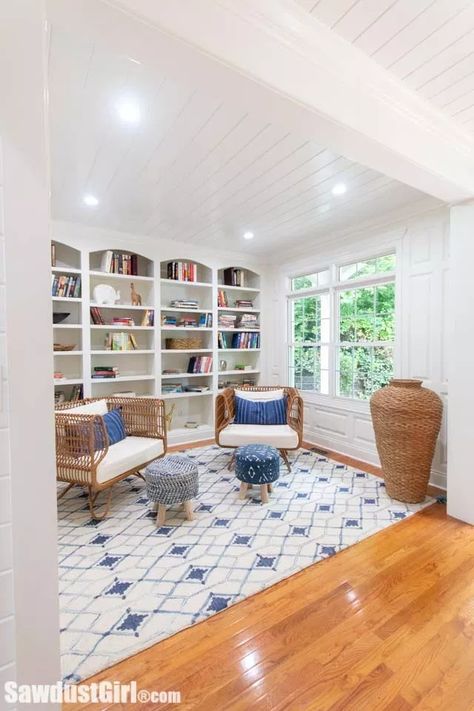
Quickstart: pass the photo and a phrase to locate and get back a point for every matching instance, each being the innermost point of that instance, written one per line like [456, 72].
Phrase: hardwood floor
[385, 624]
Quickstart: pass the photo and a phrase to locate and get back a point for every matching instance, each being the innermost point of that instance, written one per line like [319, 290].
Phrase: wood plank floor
[385, 624]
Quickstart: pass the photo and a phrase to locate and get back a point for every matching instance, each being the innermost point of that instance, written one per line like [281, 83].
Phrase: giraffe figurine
[136, 298]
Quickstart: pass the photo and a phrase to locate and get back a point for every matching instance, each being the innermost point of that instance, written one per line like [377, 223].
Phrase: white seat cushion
[125, 455]
[279, 436]
[259, 395]
[99, 407]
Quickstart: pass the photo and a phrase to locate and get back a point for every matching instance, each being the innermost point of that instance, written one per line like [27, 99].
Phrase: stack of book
[196, 388]
[248, 321]
[227, 321]
[239, 340]
[66, 286]
[167, 320]
[120, 342]
[105, 371]
[184, 304]
[168, 388]
[222, 298]
[234, 276]
[244, 304]
[119, 263]
[200, 364]
[187, 322]
[123, 321]
[182, 271]
[96, 316]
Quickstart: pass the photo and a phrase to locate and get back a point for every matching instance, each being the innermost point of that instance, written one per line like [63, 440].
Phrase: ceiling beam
[339, 96]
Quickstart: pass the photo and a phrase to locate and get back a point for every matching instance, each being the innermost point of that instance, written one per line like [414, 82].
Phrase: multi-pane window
[309, 356]
[365, 340]
[341, 339]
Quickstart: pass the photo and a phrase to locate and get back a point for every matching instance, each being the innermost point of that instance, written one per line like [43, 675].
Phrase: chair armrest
[77, 437]
[225, 409]
[143, 416]
[295, 415]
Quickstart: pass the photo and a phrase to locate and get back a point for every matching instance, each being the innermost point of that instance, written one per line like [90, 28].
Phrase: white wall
[421, 341]
[461, 343]
[29, 640]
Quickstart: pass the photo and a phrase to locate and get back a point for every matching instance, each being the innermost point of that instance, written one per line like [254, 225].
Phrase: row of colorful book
[200, 364]
[182, 271]
[66, 286]
[119, 263]
[239, 340]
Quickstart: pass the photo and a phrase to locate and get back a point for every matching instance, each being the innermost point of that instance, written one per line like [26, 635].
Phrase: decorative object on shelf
[59, 347]
[183, 344]
[60, 316]
[169, 415]
[53, 254]
[105, 294]
[191, 425]
[148, 318]
[222, 298]
[120, 341]
[135, 296]
[222, 365]
[406, 419]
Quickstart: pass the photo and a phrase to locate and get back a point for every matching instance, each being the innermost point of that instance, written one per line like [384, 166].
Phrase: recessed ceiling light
[339, 189]
[128, 111]
[249, 235]
[90, 200]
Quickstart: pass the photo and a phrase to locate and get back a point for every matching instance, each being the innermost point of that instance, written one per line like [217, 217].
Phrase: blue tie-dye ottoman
[257, 464]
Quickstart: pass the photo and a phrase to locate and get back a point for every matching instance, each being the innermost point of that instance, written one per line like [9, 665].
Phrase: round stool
[172, 480]
[257, 464]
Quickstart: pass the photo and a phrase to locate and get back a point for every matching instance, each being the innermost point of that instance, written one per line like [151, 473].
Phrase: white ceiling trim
[353, 106]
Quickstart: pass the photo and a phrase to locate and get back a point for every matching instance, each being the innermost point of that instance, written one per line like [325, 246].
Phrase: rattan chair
[285, 438]
[78, 462]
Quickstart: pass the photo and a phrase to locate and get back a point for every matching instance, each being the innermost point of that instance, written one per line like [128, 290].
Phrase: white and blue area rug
[125, 584]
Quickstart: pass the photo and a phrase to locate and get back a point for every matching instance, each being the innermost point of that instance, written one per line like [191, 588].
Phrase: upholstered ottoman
[257, 464]
[172, 480]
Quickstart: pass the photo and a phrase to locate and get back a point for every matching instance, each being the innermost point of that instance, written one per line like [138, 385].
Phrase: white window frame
[334, 287]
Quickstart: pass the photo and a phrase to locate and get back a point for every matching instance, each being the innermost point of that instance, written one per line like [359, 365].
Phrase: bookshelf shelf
[186, 328]
[172, 376]
[239, 330]
[122, 379]
[248, 289]
[65, 270]
[125, 352]
[190, 350]
[239, 310]
[122, 307]
[67, 353]
[239, 350]
[67, 326]
[68, 381]
[67, 298]
[177, 282]
[238, 372]
[120, 277]
[178, 309]
[114, 327]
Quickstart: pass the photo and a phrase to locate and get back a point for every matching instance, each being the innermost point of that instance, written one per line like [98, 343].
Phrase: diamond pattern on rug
[125, 584]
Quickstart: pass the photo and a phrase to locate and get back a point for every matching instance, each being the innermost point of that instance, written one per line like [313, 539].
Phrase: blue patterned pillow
[115, 425]
[260, 412]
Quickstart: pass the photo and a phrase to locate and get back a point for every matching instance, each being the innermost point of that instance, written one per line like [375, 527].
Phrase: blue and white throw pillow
[115, 425]
[263, 412]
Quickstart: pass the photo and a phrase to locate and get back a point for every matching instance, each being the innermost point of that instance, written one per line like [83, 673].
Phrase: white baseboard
[363, 454]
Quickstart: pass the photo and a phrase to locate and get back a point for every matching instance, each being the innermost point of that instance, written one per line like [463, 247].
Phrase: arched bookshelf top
[185, 270]
[238, 277]
[121, 262]
[64, 257]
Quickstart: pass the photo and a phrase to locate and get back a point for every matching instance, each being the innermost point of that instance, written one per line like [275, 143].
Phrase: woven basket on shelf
[407, 420]
[184, 344]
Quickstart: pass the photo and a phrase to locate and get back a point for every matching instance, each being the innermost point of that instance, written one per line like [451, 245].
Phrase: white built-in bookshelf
[205, 333]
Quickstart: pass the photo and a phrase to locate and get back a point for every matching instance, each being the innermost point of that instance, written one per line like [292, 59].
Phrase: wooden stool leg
[264, 493]
[188, 509]
[243, 490]
[270, 488]
[232, 461]
[161, 515]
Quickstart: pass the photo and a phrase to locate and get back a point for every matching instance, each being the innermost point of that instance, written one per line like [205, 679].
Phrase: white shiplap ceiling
[429, 44]
[204, 164]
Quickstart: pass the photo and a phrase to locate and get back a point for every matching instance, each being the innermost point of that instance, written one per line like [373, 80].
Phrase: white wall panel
[422, 246]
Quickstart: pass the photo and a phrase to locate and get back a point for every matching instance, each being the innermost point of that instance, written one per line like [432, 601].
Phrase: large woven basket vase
[407, 420]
